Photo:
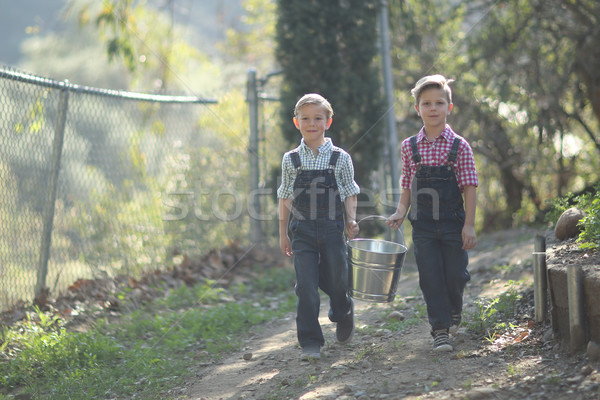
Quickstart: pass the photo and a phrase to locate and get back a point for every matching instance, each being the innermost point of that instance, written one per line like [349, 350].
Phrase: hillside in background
[206, 21]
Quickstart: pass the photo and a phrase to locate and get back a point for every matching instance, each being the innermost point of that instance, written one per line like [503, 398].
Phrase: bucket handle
[385, 219]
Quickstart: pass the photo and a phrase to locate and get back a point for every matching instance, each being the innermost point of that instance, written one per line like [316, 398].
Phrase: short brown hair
[436, 81]
[313, 98]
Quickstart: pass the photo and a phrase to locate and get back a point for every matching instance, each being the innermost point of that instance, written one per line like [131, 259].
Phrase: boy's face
[433, 107]
[312, 122]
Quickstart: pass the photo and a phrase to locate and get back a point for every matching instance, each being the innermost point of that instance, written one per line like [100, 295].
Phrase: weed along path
[391, 355]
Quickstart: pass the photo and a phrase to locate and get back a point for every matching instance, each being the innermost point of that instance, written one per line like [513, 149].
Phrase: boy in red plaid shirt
[439, 184]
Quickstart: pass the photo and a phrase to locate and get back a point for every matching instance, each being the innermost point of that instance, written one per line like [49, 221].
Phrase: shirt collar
[328, 145]
[448, 134]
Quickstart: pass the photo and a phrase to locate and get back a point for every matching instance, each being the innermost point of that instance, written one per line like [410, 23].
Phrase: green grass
[145, 352]
[491, 315]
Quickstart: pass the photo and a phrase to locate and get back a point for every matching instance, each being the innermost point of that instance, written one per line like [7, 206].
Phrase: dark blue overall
[437, 216]
[319, 249]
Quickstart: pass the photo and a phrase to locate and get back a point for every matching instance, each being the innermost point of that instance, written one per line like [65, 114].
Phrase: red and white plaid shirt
[436, 153]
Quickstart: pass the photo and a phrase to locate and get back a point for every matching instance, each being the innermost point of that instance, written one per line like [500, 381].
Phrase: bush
[589, 203]
[589, 238]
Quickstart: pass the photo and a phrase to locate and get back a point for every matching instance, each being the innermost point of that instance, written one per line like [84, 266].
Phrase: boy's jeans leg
[457, 274]
[442, 269]
[333, 272]
[306, 264]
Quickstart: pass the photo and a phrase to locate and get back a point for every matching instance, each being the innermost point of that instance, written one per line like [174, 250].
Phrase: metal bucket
[374, 268]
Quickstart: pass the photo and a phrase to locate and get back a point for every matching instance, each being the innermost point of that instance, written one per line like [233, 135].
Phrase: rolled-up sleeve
[345, 178]
[465, 169]
[286, 189]
[408, 166]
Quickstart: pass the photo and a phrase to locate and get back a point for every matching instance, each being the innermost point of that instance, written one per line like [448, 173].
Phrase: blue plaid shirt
[344, 170]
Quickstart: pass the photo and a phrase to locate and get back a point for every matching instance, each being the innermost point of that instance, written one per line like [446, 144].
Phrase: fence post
[252, 99]
[41, 290]
[540, 282]
[575, 295]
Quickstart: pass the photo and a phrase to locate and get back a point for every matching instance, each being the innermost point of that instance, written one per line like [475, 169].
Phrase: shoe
[311, 352]
[456, 318]
[441, 340]
[345, 328]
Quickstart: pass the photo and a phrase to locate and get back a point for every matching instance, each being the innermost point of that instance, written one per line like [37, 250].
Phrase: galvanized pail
[374, 268]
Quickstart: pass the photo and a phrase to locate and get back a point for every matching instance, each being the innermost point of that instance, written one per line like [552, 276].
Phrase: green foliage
[254, 43]
[589, 238]
[122, 230]
[143, 354]
[368, 351]
[521, 105]
[490, 316]
[485, 316]
[509, 300]
[506, 268]
[50, 355]
[14, 216]
[128, 228]
[183, 297]
[557, 206]
[117, 19]
[532, 111]
[276, 281]
[205, 184]
[144, 40]
[589, 203]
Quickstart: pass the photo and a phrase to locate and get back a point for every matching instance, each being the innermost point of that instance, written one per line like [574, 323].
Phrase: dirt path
[381, 364]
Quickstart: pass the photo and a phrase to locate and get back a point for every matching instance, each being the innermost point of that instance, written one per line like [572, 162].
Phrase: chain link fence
[97, 182]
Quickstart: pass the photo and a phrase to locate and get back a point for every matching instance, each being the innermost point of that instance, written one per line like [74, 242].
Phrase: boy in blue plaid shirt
[317, 190]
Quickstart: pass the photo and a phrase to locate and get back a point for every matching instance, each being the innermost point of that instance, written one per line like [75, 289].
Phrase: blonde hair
[313, 98]
[435, 81]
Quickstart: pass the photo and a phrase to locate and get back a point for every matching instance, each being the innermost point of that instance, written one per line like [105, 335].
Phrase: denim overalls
[437, 216]
[319, 249]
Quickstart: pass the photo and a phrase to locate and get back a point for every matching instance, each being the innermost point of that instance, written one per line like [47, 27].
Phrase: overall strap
[415, 152]
[334, 157]
[296, 159]
[453, 154]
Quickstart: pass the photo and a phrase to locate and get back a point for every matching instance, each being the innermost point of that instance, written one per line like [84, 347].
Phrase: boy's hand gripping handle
[400, 230]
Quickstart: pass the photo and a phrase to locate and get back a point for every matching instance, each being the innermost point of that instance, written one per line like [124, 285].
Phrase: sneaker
[311, 352]
[441, 340]
[456, 318]
[345, 328]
